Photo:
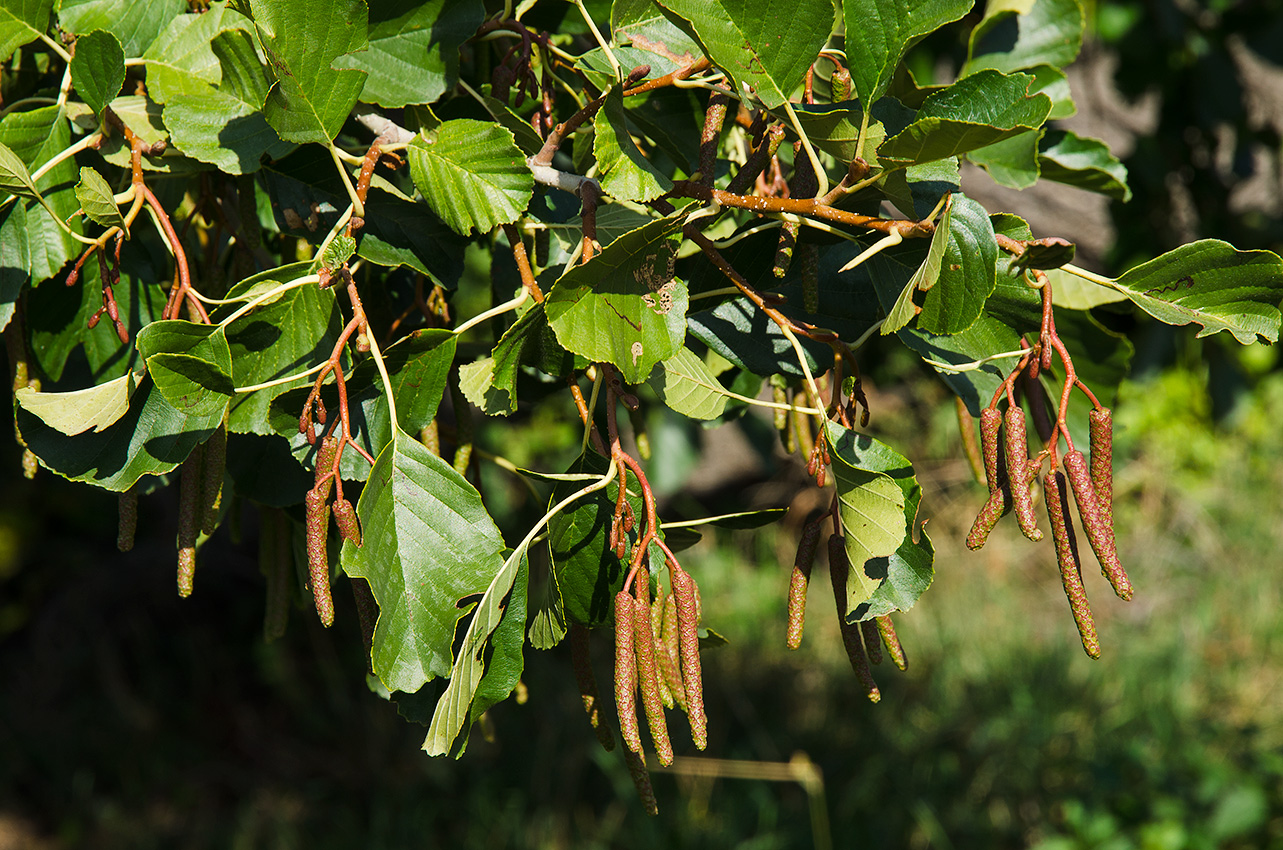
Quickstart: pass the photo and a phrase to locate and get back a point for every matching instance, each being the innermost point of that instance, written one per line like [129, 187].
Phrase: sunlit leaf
[472, 174]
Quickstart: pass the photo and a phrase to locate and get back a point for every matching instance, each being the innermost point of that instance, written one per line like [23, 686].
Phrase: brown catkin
[808, 258]
[799, 580]
[626, 672]
[345, 519]
[784, 251]
[648, 670]
[1100, 428]
[189, 490]
[214, 467]
[999, 501]
[688, 643]
[892, 643]
[657, 629]
[1020, 472]
[641, 779]
[841, 84]
[581, 661]
[127, 508]
[670, 652]
[872, 645]
[838, 568]
[1062, 531]
[1098, 524]
[318, 559]
[325, 456]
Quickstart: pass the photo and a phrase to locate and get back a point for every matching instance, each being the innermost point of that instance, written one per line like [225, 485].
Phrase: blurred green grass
[131, 719]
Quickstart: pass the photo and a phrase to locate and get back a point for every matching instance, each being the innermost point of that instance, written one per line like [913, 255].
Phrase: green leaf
[182, 60]
[190, 364]
[624, 306]
[835, 129]
[624, 172]
[22, 22]
[225, 126]
[469, 666]
[1016, 35]
[1074, 293]
[36, 136]
[428, 548]
[97, 199]
[14, 177]
[880, 32]
[134, 23]
[472, 174]
[923, 279]
[767, 45]
[973, 113]
[413, 55]
[302, 40]
[641, 23]
[152, 438]
[968, 273]
[871, 481]
[1012, 162]
[1213, 284]
[1085, 163]
[917, 189]
[491, 383]
[98, 68]
[79, 411]
[689, 388]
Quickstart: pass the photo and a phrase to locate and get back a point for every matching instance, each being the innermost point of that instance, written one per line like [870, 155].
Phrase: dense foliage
[701, 206]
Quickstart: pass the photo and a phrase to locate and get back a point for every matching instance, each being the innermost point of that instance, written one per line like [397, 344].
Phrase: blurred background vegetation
[130, 718]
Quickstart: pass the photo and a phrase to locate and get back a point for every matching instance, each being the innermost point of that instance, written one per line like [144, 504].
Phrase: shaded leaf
[1085, 163]
[98, 68]
[190, 364]
[1016, 36]
[967, 274]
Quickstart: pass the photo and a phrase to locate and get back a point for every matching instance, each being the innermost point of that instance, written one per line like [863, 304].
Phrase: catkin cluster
[1011, 472]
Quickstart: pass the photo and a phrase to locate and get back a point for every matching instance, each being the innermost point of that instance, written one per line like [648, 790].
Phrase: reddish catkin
[670, 652]
[688, 643]
[1062, 531]
[657, 630]
[345, 519]
[892, 643]
[626, 672]
[838, 568]
[325, 457]
[1100, 425]
[798, 582]
[581, 661]
[318, 559]
[214, 467]
[641, 779]
[872, 645]
[127, 508]
[999, 501]
[648, 670]
[188, 520]
[1020, 473]
[1098, 524]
